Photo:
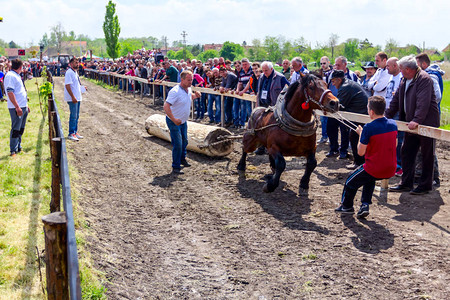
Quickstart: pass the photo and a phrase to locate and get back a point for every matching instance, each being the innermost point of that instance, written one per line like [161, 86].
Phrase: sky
[217, 21]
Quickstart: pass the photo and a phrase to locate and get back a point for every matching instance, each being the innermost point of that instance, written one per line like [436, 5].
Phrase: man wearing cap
[380, 80]
[370, 71]
[352, 99]
[327, 69]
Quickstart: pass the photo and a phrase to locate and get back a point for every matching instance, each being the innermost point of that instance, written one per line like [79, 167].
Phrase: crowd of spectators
[382, 77]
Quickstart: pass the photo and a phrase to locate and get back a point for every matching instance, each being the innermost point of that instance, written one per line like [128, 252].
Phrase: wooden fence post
[222, 111]
[55, 146]
[56, 255]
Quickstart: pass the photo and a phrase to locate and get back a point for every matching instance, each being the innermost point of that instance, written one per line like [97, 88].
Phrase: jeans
[333, 127]
[355, 180]
[199, 107]
[17, 129]
[146, 89]
[228, 110]
[74, 116]
[179, 140]
[324, 121]
[211, 100]
[242, 109]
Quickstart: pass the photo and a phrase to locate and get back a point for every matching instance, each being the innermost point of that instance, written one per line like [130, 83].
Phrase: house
[12, 53]
[212, 46]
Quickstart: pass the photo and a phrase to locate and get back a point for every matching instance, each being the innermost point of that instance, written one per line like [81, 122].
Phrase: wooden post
[164, 92]
[126, 88]
[142, 88]
[153, 85]
[55, 230]
[222, 111]
[134, 88]
[55, 146]
[385, 184]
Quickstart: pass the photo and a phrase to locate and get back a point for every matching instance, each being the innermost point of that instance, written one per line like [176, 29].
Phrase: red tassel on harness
[305, 105]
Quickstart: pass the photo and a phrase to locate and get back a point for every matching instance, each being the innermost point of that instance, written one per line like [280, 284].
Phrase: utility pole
[184, 34]
[423, 46]
[165, 42]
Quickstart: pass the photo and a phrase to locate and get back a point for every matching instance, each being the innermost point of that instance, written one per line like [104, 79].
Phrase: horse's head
[317, 95]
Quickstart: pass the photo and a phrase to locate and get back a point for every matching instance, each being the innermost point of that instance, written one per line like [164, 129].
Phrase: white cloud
[407, 21]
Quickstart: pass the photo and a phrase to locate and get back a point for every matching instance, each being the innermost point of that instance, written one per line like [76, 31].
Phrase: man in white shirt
[177, 108]
[72, 94]
[380, 80]
[17, 105]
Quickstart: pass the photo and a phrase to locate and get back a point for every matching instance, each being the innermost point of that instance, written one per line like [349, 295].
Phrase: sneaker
[211, 121]
[177, 171]
[185, 163]
[363, 211]
[400, 188]
[437, 182]
[343, 156]
[13, 154]
[399, 172]
[323, 140]
[352, 166]
[346, 211]
[419, 191]
[79, 136]
[73, 137]
[332, 154]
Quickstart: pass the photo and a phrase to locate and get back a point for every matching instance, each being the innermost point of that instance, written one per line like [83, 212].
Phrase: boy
[377, 142]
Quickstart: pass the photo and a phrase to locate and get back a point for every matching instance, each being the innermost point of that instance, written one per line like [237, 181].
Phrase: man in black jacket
[353, 99]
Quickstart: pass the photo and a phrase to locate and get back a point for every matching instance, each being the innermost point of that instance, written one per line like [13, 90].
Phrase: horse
[289, 128]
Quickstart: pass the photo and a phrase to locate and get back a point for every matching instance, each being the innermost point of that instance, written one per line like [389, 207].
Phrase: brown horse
[285, 136]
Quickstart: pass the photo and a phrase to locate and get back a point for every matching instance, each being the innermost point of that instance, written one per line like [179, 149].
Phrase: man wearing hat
[370, 71]
[352, 98]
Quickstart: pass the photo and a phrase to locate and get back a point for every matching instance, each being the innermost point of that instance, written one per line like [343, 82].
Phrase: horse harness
[286, 122]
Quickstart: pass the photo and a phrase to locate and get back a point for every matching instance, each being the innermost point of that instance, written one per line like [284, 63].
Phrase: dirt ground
[212, 233]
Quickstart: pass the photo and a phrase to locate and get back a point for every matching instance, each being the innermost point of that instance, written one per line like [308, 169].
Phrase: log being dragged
[201, 138]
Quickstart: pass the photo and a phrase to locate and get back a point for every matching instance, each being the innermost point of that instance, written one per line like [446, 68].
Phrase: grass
[445, 106]
[102, 84]
[25, 192]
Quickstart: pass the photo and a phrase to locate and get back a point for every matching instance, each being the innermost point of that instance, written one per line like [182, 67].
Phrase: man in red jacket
[416, 102]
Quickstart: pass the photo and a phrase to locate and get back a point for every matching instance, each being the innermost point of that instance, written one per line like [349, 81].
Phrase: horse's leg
[242, 161]
[311, 164]
[280, 165]
[272, 167]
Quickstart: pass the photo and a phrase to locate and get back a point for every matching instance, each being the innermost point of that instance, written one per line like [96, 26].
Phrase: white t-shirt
[392, 87]
[180, 102]
[13, 83]
[75, 85]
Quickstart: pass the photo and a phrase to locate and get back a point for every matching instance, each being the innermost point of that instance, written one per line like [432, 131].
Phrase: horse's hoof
[303, 191]
[268, 189]
[268, 176]
[240, 167]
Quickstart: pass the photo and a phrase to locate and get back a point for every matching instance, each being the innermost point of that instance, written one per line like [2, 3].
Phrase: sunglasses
[323, 63]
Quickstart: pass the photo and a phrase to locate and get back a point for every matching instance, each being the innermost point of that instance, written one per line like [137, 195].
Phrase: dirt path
[213, 234]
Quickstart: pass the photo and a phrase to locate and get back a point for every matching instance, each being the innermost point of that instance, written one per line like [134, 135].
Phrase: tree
[44, 41]
[391, 46]
[57, 35]
[351, 51]
[196, 49]
[111, 28]
[211, 53]
[273, 49]
[126, 48]
[332, 41]
[181, 54]
[12, 44]
[231, 50]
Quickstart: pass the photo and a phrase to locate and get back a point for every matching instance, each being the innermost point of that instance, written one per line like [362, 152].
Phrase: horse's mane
[305, 81]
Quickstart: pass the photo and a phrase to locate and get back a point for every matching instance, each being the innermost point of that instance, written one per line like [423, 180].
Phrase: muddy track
[213, 234]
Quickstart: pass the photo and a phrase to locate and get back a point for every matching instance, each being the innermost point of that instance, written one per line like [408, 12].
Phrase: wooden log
[55, 230]
[201, 138]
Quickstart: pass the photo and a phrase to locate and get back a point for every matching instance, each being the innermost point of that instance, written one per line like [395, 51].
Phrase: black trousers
[333, 127]
[354, 139]
[411, 145]
[355, 180]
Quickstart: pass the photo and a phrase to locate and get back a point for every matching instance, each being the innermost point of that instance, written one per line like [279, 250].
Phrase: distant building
[12, 53]
[75, 48]
[213, 46]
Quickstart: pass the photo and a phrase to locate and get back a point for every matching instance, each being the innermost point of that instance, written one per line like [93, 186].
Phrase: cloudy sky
[216, 21]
